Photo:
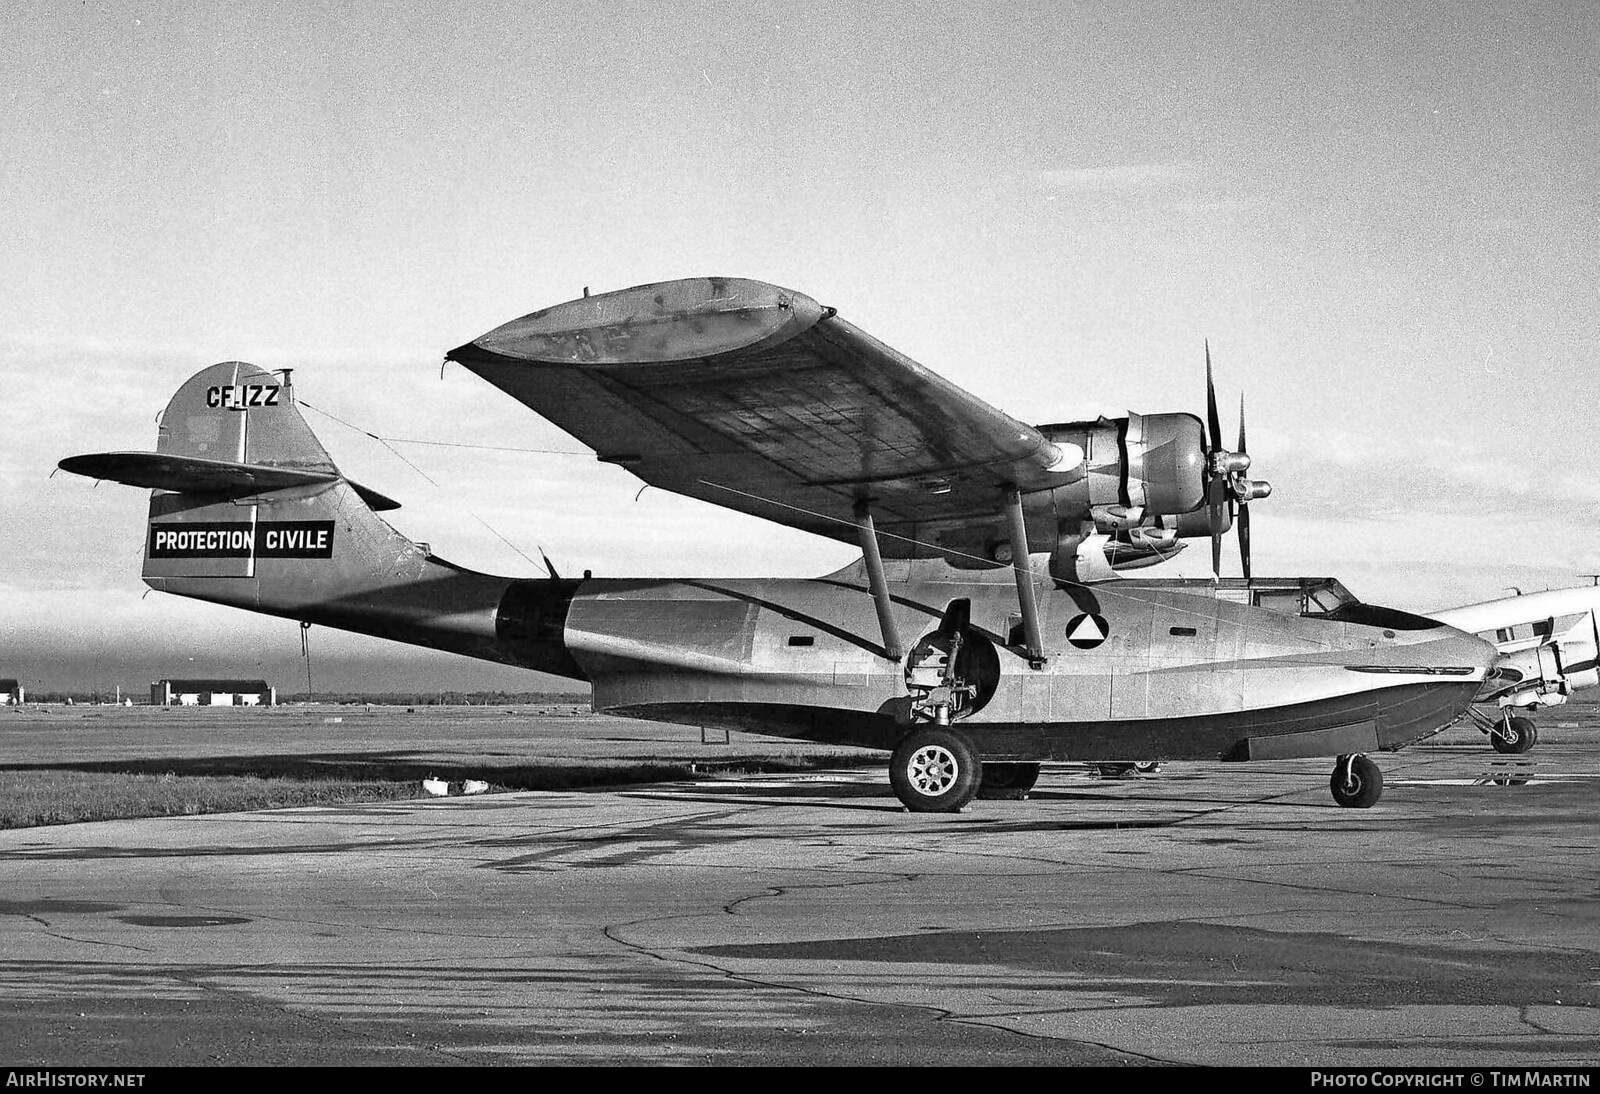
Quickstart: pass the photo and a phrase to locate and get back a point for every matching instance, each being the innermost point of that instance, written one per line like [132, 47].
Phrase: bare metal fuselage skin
[1176, 675]
[1150, 669]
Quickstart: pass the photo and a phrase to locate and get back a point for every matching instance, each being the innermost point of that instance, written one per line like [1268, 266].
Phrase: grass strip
[36, 795]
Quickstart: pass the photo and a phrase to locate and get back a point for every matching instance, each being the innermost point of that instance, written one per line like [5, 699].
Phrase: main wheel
[1147, 767]
[1514, 735]
[1357, 782]
[935, 771]
[1008, 782]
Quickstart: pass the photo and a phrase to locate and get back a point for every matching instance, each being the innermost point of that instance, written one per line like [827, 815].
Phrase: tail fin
[241, 414]
[249, 510]
[238, 477]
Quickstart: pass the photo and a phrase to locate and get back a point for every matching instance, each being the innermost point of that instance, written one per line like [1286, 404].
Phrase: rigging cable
[1100, 589]
[386, 442]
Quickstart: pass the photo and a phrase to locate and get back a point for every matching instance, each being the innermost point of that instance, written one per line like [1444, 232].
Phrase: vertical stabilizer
[239, 413]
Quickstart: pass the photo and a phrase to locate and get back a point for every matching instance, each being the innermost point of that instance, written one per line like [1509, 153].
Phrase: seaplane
[987, 627]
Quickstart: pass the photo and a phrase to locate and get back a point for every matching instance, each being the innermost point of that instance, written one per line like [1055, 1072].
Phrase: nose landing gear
[1514, 735]
[1511, 734]
[1357, 782]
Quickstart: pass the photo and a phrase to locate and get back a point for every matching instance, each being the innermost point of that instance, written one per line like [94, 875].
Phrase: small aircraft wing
[760, 399]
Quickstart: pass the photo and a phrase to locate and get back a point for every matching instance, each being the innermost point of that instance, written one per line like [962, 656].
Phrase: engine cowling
[1150, 462]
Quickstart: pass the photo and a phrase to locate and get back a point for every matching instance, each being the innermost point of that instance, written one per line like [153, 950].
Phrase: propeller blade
[1212, 418]
[1244, 540]
[1214, 495]
[1244, 503]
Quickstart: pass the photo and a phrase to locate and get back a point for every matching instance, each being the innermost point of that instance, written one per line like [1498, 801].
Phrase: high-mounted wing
[760, 399]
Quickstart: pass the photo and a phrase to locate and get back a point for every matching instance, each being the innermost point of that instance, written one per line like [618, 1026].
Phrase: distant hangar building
[213, 693]
[10, 692]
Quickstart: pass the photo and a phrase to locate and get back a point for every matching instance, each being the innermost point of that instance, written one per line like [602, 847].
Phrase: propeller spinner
[1226, 480]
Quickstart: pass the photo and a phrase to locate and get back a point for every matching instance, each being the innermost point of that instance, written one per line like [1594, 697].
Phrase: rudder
[239, 413]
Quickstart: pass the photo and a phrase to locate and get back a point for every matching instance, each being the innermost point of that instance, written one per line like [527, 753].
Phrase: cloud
[1437, 474]
[1119, 177]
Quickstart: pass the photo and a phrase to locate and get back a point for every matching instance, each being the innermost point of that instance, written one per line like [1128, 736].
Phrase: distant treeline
[442, 698]
[377, 698]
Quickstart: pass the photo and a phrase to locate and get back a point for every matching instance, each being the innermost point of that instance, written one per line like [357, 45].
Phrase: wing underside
[761, 400]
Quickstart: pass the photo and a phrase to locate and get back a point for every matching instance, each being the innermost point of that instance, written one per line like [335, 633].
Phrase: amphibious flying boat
[983, 631]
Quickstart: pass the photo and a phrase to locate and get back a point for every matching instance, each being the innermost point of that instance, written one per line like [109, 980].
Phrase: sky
[1381, 217]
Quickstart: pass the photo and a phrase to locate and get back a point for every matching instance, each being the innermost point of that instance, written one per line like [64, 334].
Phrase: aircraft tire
[935, 771]
[1514, 736]
[1007, 782]
[1124, 769]
[1357, 782]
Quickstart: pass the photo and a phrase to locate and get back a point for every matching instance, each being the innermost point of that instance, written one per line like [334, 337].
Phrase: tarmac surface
[1209, 914]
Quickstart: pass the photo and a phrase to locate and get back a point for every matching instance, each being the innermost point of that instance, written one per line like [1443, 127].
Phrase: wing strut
[868, 535]
[1022, 566]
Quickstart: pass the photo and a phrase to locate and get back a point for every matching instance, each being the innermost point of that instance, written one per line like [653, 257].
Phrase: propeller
[1227, 481]
[1215, 480]
[1244, 503]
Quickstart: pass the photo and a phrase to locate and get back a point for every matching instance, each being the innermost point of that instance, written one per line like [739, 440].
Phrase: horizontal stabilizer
[196, 475]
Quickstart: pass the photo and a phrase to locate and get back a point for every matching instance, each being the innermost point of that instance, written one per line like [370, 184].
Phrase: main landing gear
[1008, 782]
[1357, 782]
[935, 770]
[1127, 770]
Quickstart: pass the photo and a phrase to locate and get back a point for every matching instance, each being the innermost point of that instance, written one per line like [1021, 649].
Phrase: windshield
[1328, 599]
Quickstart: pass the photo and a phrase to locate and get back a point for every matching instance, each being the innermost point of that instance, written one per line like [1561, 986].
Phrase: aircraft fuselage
[1133, 669]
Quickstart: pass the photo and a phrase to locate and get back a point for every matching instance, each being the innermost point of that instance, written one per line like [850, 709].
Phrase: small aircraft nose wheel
[935, 770]
[1514, 735]
[1357, 782]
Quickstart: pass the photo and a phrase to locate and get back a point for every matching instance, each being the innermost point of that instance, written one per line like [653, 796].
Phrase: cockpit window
[1287, 601]
[1327, 599]
[1334, 602]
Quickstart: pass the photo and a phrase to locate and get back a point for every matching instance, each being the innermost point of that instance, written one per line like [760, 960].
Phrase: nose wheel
[1514, 735]
[1357, 782]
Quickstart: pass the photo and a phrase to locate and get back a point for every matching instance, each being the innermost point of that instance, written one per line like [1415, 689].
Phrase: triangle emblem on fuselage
[1087, 631]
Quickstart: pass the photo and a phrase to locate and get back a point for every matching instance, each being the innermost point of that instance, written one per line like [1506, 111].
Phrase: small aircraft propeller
[1226, 480]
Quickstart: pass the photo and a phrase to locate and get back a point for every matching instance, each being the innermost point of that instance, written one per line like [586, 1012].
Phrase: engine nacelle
[1153, 462]
[1546, 674]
